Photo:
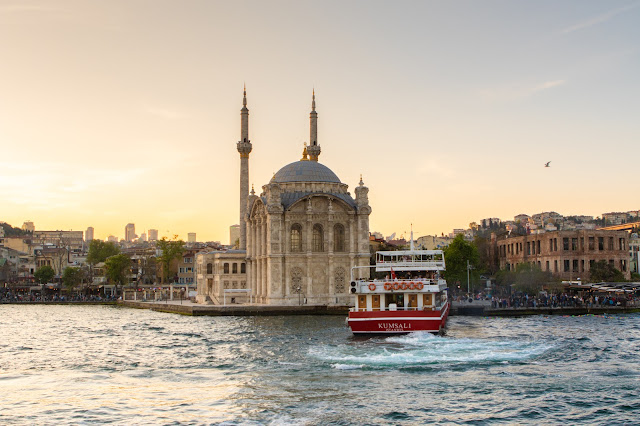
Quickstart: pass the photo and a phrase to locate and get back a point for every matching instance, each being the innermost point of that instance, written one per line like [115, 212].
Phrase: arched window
[209, 268]
[226, 268]
[296, 238]
[338, 238]
[318, 238]
[243, 268]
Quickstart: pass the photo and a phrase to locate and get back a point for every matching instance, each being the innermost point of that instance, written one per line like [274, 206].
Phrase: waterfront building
[186, 267]
[303, 233]
[567, 254]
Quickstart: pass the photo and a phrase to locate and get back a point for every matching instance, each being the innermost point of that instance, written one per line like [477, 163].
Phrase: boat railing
[399, 308]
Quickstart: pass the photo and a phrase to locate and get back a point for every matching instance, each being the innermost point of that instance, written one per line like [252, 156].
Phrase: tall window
[296, 238]
[209, 268]
[338, 238]
[226, 268]
[235, 268]
[318, 238]
[243, 268]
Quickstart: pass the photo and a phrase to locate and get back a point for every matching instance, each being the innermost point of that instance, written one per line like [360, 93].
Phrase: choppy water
[97, 364]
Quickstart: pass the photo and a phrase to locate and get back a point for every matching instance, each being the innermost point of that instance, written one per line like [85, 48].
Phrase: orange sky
[116, 112]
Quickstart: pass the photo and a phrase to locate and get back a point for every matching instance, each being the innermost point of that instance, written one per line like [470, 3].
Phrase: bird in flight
[547, 164]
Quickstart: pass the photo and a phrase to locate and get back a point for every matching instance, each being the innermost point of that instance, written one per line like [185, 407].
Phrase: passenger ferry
[412, 296]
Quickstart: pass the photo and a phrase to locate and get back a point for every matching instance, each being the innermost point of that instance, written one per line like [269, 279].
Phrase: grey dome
[305, 171]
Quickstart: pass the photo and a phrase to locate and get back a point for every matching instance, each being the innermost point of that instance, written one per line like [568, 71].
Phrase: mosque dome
[305, 171]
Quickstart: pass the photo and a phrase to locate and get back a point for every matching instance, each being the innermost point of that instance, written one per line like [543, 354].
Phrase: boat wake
[426, 350]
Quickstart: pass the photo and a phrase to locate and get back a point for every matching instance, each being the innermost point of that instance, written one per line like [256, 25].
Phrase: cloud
[599, 19]
[518, 92]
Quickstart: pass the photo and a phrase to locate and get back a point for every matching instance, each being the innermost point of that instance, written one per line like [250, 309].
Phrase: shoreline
[194, 309]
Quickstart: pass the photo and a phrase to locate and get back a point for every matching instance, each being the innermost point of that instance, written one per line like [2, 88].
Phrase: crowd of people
[561, 300]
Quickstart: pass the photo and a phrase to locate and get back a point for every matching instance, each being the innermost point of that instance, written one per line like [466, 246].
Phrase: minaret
[313, 149]
[244, 148]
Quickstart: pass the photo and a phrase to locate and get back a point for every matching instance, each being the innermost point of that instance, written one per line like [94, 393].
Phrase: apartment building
[567, 254]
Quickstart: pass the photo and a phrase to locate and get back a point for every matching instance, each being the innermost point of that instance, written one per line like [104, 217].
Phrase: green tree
[99, 251]
[117, 269]
[171, 249]
[456, 256]
[530, 278]
[603, 271]
[71, 277]
[44, 274]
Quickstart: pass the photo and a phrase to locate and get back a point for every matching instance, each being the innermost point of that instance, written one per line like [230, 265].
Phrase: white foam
[347, 366]
[424, 349]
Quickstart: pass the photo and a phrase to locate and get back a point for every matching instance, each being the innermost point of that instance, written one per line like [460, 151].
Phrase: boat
[411, 297]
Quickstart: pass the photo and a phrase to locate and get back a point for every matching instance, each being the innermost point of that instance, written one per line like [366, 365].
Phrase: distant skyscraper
[88, 234]
[153, 235]
[143, 237]
[130, 232]
[191, 237]
[112, 239]
[28, 226]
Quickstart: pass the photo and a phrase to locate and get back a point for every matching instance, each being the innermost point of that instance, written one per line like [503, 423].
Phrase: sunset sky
[129, 111]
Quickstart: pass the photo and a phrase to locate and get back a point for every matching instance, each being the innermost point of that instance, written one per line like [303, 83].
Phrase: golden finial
[304, 153]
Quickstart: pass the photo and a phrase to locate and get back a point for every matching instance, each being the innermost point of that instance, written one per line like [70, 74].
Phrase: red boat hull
[398, 322]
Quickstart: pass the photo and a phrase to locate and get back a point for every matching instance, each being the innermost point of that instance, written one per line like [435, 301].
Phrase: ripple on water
[72, 364]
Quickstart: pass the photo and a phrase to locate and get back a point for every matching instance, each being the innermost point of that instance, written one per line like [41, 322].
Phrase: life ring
[396, 286]
[419, 286]
[403, 286]
[388, 286]
[372, 286]
[412, 285]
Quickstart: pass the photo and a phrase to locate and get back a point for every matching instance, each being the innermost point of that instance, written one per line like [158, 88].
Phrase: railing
[399, 308]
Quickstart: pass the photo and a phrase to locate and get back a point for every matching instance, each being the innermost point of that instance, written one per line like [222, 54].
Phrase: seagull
[547, 163]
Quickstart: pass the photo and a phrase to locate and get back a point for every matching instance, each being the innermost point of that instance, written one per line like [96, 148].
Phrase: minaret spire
[314, 148]
[244, 148]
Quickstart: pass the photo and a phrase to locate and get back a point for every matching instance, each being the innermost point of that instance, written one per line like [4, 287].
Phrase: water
[100, 364]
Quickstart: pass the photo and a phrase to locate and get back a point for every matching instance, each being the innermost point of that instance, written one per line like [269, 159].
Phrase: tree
[44, 274]
[530, 278]
[456, 257]
[99, 251]
[603, 271]
[117, 269]
[71, 277]
[171, 249]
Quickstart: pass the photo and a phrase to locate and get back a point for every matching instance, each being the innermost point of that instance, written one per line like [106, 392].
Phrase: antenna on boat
[411, 243]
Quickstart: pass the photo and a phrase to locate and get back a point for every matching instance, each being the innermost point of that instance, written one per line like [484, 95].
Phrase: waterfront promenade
[458, 308]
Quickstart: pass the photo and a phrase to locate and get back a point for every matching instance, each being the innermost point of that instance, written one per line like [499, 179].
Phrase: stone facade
[567, 254]
[303, 239]
[219, 274]
[303, 235]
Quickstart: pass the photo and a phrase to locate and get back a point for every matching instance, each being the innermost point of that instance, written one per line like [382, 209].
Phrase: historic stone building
[303, 234]
[567, 254]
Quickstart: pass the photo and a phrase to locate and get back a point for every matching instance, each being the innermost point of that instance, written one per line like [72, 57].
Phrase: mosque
[299, 238]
